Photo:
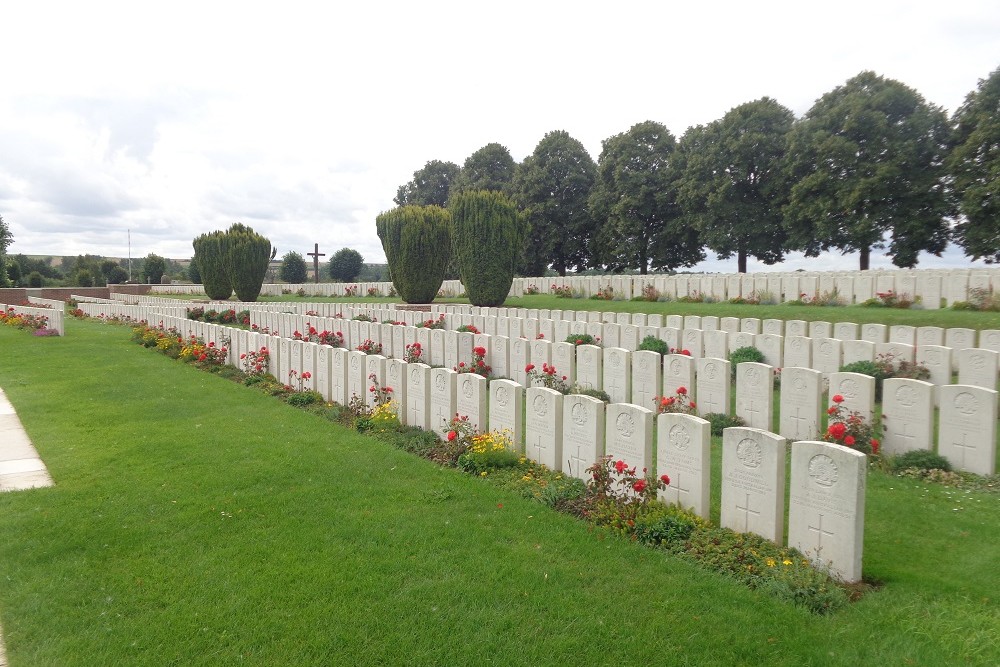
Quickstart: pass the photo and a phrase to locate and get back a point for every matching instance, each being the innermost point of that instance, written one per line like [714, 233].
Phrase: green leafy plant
[654, 344]
[720, 421]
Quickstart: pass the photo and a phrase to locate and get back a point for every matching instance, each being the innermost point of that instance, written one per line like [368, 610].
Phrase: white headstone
[357, 384]
[629, 435]
[715, 344]
[543, 437]
[826, 355]
[684, 454]
[443, 400]
[876, 333]
[755, 394]
[617, 380]
[589, 366]
[338, 375]
[845, 331]
[647, 380]
[772, 347]
[826, 515]
[713, 382]
[374, 365]
[857, 350]
[418, 395]
[679, 371]
[753, 482]
[907, 415]
[396, 380]
[691, 340]
[472, 398]
[967, 434]
[798, 351]
[507, 410]
[801, 399]
[978, 366]
[858, 392]
[583, 434]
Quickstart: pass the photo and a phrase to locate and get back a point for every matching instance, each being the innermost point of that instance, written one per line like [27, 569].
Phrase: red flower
[831, 410]
[692, 404]
[681, 391]
[836, 430]
[461, 364]
[579, 341]
[686, 352]
[452, 435]
[639, 485]
[837, 398]
[849, 441]
[529, 368]
[620, 466]
[665, 479]
[481, 351]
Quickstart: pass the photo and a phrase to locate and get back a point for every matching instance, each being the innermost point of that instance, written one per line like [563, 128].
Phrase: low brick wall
[13, 295]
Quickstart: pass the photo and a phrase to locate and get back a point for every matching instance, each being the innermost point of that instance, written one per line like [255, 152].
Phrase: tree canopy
[640, 226]
[489, 168]
[153, 268]
[974, 166]
[867, 163]
[346, 264]
[431, 185]
[293, 268]
[551, 187]
[730, 183]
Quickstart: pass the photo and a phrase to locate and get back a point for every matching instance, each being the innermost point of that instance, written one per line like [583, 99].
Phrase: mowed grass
[197, 522]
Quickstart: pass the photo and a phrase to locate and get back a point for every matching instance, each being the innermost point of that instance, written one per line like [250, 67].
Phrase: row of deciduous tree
[871, 166]
[345, 265]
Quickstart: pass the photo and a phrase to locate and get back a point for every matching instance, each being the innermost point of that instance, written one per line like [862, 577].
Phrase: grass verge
[196, 522]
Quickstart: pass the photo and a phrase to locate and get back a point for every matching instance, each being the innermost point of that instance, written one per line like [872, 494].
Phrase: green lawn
[197, 522]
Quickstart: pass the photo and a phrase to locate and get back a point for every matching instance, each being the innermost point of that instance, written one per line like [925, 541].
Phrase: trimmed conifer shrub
[209, 255]
[486, 240]
[247, 255]
[417, 245]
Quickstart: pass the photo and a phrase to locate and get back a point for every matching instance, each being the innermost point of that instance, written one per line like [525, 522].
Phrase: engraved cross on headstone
[746, 513]
[316, 254]
[964, 447]
[820, 533]
[675, 484]
[800, 430]
[577, 464]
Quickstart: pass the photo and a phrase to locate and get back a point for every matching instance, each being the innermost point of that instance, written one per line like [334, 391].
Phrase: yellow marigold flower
[786, 562]
[770, 562]
[482, 474]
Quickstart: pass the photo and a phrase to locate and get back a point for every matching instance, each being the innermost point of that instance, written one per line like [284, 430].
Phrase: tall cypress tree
[487, 236]
[247, 255]
[417, 245]
[209, 255]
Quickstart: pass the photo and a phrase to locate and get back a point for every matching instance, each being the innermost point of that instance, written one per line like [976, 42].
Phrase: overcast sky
[301, 119]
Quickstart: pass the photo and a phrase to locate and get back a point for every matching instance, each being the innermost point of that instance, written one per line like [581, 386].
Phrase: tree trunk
[865, 258]
[741, 261]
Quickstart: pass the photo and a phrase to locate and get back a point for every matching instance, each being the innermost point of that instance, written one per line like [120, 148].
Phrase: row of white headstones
[933, 287]
[570, 433]
[639, 377]
[53, 315]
